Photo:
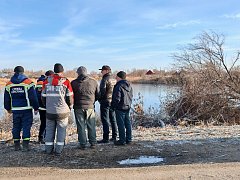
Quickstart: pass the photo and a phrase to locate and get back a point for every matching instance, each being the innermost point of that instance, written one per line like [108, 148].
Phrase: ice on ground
[142, 160]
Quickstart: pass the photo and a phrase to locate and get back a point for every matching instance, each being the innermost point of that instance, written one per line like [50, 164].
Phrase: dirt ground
[217, 171]
[187, 152]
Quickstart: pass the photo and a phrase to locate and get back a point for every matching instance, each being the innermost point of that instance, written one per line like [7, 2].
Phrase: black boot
[103, 141]
[17, 146]
[41, 140]
[25, 146]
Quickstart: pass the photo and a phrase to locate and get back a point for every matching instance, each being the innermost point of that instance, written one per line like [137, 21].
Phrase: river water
[151, 95]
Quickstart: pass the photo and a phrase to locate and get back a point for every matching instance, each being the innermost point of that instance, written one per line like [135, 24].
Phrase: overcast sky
[124, 34]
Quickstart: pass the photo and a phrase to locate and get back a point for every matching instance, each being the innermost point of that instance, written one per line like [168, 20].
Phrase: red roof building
[150, 72]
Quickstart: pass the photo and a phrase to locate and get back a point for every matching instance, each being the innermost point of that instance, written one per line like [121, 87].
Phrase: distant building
[149, 72]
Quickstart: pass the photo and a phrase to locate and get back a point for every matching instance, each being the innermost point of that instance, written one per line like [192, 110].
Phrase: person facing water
[121, 103]
[57, 96]
[108, 117]
[20, 99]
[42, 109]
[86, 93]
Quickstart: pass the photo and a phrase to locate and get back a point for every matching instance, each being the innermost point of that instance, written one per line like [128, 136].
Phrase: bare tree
[211, 88]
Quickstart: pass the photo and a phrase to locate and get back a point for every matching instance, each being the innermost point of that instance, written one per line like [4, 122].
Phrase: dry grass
[3, 81]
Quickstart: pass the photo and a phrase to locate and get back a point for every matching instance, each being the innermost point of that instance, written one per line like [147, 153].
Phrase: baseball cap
[105, 67]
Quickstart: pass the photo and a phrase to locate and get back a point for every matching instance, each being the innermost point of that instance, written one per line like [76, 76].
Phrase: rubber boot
[17, 146]
[25, 146]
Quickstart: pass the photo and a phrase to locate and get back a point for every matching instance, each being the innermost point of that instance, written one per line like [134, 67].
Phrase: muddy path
[173, 151]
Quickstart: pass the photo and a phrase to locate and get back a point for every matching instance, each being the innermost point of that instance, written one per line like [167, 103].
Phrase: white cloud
[154, 15]
[64, 42]
[8, 30]
[232, 16]
[6, 26]
[177, 24]
[75, 19]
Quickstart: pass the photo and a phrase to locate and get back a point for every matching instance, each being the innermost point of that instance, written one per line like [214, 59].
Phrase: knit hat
[49, 73]
[122, 74]
[41, 78]
[58, 68]
[19, 69]
[82, 70]
[105, 67]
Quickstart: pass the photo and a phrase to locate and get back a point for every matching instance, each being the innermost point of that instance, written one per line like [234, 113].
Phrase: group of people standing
[54, 96]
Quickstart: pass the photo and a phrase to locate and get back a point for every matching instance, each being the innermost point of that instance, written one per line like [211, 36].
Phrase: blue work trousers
[22, 122]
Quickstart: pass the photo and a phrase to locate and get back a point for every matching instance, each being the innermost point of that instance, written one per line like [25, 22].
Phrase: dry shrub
[150, 118]
[210, 88]
[5, 126]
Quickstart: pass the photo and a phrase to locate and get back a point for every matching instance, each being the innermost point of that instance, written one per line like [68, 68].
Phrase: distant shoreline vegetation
[3, 81]
[156, 80]
[137, 76]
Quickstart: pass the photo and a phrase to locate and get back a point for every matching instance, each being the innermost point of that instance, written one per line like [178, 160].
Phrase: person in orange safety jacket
[20, 99]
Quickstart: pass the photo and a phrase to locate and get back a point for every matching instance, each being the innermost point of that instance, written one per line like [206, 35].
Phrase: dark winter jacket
[122, 95]
[39, 91]
[86, 92]
[106, 88]
[20, 95]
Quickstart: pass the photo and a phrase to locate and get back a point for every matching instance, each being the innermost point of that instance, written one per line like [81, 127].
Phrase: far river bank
[151, 96]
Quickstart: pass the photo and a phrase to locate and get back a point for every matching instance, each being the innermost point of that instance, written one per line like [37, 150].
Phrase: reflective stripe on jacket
[57, 95]
[20, 95]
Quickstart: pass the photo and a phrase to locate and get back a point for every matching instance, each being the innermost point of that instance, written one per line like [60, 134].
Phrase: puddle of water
[142, 160]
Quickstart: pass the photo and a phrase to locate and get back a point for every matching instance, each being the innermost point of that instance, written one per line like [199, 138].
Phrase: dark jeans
[42, 127]
[107, 117]
[124, 126]
[22, 121]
